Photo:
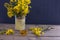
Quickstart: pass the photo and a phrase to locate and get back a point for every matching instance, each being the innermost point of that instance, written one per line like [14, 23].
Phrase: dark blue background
[42, 12]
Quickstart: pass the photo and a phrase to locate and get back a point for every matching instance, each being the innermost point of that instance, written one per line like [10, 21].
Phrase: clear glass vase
[19, 23]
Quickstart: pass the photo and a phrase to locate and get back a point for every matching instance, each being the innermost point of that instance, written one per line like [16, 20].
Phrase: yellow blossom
[9, 9]
[9, 31]
[38, 33]
[23, 2]
[17, 9]
[21, 7]
[18, 5]
[28, 1]
[12, 0]
[19, 1]
[10, 14]
[26, 11]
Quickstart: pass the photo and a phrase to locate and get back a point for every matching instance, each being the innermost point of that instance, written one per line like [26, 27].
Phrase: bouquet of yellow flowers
[17, 7]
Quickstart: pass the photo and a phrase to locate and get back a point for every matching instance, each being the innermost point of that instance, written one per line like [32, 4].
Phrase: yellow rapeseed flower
[10, 31]
[22, 2]
[10, 14]
[26, 10]
[17, 9]
[28, 1]
[18, 5]
[9, 9]
[38, 33]
[19, 1]
[21, 6]
[13, 0]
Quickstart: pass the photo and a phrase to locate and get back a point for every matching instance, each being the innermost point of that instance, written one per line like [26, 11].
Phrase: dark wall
[42, 12]
[3, 13]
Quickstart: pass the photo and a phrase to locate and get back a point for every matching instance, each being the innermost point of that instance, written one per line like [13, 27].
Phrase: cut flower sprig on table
[39, 31]
[17, 7]
[7, 31]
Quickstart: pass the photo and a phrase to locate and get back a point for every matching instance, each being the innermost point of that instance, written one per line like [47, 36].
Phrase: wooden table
[53, 34]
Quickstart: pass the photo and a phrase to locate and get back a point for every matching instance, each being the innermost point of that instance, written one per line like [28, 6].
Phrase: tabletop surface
[53, 34]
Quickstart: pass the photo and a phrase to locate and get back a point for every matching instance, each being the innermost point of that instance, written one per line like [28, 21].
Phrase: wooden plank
[8, 37]
[53, 32]
[1, 37]
[20, 38]
[49, 38]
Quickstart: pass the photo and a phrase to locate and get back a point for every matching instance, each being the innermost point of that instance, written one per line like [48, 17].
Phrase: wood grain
[53, 34]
